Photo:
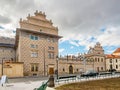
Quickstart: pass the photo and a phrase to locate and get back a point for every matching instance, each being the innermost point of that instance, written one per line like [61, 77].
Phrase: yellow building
[7, 54]
[11, 69]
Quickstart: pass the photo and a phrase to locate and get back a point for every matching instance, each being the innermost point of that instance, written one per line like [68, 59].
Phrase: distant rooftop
[7, 40]
[7, 45]
[117, 50]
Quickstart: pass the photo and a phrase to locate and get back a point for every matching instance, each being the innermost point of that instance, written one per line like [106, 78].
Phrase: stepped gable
[112, 56]
[39, 23]
[97, 49]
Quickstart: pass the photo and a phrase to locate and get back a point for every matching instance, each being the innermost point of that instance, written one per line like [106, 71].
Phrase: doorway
[70, 69]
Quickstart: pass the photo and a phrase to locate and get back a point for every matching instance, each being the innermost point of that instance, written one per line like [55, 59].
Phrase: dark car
[89, 74]
[112, 70]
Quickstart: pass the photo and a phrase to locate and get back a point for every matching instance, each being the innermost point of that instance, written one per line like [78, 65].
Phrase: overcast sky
[82, 23]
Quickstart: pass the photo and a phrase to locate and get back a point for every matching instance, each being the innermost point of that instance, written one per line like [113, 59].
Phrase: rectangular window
[34, 67]
[48, 39]
[33, 46]
[33, 37]
[101, 59]
[102, 68]
[50, 48]
[110, 60]
[116, 60]
[53, 40]
[116, 66]
[34, 54]
[98, 59]
[50, 55]
[36, 37]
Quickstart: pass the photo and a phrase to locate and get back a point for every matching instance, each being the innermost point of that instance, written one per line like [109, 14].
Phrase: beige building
[73, 65]
[113, 60]
[97, 54]
[7, 49]
[37, 44]
[93, 60]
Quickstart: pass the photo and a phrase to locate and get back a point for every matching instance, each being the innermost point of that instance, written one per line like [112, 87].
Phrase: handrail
[42, 87]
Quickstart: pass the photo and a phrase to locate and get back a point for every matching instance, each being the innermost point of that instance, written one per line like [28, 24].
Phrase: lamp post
[57, 58]
[92, 60]
[84, 63]
[2, 65]
[93, 63]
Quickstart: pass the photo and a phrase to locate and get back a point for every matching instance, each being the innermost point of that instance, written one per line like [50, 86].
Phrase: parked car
[112, 70]
[89, 73]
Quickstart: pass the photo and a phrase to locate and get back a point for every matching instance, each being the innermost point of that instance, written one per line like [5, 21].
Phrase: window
[116, 60]
[50, 55]
[98, 59]
[101, 59]
[34, 54]
[48, 39]
[102, 68]
[34, 67]
[53, 40]
[50, 48]
[116, 66]
[33, 46]
[95, 59]
[33, 37]
[110, 60]
[36, 37]
[63, 69]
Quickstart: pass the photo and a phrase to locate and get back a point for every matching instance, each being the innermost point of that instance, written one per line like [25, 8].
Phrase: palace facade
[93, 60]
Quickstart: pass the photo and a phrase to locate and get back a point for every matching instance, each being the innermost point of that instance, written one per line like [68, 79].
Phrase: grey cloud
[71, 16]
[4, 20]
[86, 16]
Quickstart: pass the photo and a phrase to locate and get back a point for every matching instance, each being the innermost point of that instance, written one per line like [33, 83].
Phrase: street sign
[4, 80]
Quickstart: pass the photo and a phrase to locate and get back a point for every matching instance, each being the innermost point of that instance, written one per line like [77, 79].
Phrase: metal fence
[78, 78]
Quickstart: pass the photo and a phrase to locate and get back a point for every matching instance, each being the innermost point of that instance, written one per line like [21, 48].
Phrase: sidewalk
[29, 85]
[22, 85]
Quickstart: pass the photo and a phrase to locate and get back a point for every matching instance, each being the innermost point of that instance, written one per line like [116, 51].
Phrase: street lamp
[57, 58]
[84, 62]
[2, 65]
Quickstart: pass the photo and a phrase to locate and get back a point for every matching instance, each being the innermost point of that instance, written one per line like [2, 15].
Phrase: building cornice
[38, 32]
[24, 21]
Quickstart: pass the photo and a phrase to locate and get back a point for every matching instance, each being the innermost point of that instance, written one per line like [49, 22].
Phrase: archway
[70, 69]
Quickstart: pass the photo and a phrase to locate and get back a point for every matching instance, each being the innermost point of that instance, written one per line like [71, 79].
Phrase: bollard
[51, 81]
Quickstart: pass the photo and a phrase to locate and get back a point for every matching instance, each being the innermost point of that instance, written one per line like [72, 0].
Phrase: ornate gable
[38, 23]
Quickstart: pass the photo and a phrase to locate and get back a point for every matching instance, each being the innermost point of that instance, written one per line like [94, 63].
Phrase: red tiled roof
[117, 50]
[112, 56]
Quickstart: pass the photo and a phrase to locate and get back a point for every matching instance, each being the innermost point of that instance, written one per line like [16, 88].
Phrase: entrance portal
[51, 71]
[70, 69]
